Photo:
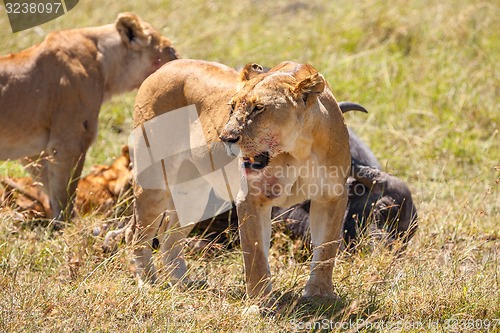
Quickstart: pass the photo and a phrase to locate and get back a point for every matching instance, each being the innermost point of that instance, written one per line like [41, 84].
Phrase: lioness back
[183, 82]
[44, 76]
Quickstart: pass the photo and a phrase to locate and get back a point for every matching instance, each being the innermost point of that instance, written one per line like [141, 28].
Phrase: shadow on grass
[318, 314]
[292, 304]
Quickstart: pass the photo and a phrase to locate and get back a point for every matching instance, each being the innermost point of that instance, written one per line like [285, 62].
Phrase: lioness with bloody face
[51, 93]
[293, 145]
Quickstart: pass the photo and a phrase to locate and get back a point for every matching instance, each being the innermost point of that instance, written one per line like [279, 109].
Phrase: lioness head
[142, 51]
[270, 110]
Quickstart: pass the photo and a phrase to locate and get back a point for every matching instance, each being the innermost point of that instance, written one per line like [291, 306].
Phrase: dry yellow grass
[428, 73]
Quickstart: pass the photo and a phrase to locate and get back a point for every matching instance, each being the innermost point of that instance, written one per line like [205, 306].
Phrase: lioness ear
[311, 85]
[131, 32]
[250, 71]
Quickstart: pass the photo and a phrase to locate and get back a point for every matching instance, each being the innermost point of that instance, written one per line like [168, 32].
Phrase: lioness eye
[259, 108]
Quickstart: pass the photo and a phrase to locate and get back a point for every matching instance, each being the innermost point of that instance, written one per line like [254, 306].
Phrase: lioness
[287, 124]
[50, 95]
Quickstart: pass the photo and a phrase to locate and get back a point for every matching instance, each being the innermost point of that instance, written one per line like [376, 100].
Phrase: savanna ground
[428, 73]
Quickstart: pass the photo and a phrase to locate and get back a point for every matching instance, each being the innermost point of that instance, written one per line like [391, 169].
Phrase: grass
[428, 73]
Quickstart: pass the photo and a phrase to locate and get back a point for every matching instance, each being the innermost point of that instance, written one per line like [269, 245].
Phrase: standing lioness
[294, 145]
[51, 93]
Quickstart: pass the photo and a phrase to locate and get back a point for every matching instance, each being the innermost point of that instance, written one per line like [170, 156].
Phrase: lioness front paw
[318, 290]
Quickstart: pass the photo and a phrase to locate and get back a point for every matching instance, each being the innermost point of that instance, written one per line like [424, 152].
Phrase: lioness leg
[63, 169]
[172, 245]
[255, 237]
[326, 225]
[66, 149]
[150, 206]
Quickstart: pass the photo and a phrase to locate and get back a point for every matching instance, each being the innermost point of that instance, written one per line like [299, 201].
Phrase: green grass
[428, 73]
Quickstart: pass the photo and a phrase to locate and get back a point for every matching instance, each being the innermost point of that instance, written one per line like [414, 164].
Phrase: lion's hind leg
[150, 214]
[172, 239]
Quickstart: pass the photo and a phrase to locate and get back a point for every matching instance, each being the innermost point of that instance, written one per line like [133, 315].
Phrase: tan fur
[298, 121]
[100, 190]
[50, 95]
